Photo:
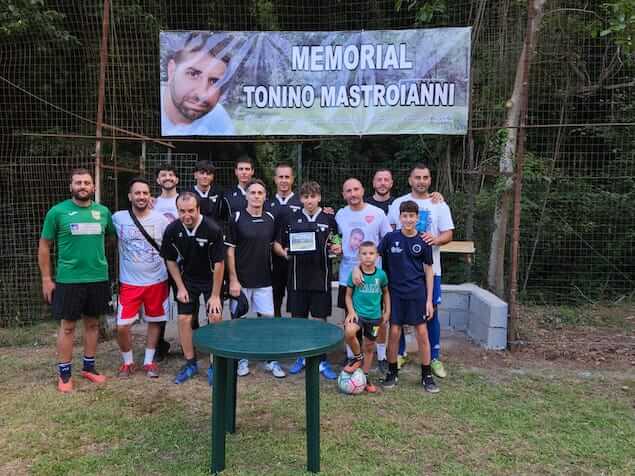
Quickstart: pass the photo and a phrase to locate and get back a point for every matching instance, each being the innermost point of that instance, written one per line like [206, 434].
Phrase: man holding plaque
[303, 240]
[436, 228]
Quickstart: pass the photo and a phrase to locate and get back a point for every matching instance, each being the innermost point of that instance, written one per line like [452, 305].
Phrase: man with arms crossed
[80, 289]
[143, 278]
[194, 251]
[357, 222]
[283, 202]
[189, 99]
[249, 241]
[438, 231]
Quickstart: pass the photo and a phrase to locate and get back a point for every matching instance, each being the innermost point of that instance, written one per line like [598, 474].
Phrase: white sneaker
[275, 369]
[243, 367]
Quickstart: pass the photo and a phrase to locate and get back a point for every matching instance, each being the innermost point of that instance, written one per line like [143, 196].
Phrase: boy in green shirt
[80, 289]
[364, 304]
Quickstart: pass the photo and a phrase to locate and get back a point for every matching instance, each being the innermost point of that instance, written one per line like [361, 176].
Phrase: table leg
[230, 401]
[313, 413]
[219, 396]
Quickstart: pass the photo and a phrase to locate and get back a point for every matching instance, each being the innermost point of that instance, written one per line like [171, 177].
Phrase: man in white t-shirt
[143, 277]
[437, 231]
[356, 222]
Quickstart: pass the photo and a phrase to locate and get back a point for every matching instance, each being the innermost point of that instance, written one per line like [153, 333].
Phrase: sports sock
[127, 357]
[359, 356]
[192, 361]
[64, 369]
[89, 364]
[426, 370]
[381, 351]
[149, 356]
[393, 368]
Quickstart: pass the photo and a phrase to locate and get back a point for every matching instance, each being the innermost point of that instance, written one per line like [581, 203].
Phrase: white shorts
[260, 300]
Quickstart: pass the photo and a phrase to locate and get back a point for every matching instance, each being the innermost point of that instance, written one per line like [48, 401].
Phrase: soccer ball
[352, 384]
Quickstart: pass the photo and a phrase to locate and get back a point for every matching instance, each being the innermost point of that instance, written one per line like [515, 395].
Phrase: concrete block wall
[475, 311]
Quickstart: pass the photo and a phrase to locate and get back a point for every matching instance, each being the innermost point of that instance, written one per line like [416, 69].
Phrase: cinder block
[458, 320]
[444, 318]
[477, 331]
[455, 300]
[490, 306]
[497, 338]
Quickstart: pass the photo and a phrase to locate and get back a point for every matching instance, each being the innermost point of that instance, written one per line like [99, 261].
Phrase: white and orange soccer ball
[352, 384]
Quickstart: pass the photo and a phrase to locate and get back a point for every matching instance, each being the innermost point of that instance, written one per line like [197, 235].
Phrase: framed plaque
[302, 242]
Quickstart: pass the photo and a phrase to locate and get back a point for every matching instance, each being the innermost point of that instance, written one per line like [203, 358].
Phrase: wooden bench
[461, 247]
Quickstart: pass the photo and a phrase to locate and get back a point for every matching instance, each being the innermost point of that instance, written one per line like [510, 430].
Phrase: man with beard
[382, 186]
[195, 75]
[143, 278]
[80, 289]
[167, 178]
[194, 251]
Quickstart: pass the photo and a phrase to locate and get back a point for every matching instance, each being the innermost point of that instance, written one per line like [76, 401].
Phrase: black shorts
[341, 296]
[407, 311]
[194, 290]
[71, 301]
[301, 303]
[368, 328]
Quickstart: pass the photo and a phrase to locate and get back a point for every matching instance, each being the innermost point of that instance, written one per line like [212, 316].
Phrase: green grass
[490, 422]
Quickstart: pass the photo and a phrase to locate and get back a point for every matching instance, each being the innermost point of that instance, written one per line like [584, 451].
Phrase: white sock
[127, 357]
[381, 351]
[349, 352]
[149, 357]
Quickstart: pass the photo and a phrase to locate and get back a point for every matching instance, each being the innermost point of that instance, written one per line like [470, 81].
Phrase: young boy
[364, 311]
[408, 260]
[309, 277]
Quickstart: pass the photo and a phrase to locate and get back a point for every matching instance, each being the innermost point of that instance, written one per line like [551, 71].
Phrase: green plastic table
[264, 339]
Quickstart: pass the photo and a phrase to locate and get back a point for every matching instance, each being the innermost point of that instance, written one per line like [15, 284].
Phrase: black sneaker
[391, 380]
[428, 384]
[382, 366]
[162, 351]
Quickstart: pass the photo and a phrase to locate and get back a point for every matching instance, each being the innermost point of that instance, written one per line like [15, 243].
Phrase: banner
[315, 83]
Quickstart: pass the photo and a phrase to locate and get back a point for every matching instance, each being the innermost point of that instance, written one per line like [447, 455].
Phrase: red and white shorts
[153, 298]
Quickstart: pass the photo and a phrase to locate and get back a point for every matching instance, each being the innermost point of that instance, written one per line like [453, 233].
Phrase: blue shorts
[410, 312]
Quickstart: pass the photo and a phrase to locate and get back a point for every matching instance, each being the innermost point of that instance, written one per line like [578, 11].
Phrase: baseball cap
[238, 306]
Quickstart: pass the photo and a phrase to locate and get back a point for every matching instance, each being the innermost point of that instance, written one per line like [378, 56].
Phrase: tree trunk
[496, 268]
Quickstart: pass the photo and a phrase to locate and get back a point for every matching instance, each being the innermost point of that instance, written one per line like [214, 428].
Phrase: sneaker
[390, 380]
[65, 387]
[275, 369]
[243, 368]
[428, 384]
[210, 375]
[382, 366]
[297, 366]
[438, 369]
[162, 351]
[152, 370]
[352, 365]
[93, 376]
[125, 370]
[187, 372]
[327, 371]
[370, 388]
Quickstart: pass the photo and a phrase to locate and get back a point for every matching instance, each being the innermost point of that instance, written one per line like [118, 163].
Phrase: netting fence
[578, 223]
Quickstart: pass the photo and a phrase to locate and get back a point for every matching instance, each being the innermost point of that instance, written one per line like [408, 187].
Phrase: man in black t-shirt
[194, 251]
[249, 239]
[283, 202]
[237, 196]
[309, 280]
[211, 197]
[382, 186]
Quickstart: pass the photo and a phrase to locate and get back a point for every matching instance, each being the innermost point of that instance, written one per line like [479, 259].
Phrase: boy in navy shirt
[408, 261]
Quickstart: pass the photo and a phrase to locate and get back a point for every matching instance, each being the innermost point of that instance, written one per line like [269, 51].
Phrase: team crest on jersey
[295, 208]
[96, 214]
[213, 198]
[369, 218]
[416, 248]
[201, 242]
[396, 248]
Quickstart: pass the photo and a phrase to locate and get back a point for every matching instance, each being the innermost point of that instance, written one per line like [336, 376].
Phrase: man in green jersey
[80, 289]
